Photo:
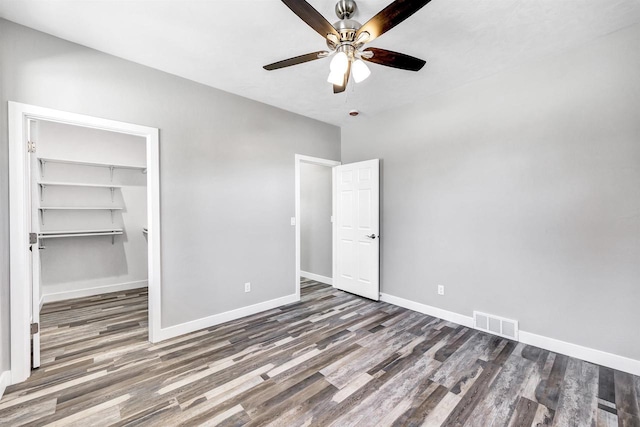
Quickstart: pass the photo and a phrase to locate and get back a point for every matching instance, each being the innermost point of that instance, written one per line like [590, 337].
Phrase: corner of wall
[588, 354]
[227, 316]
[5, 380]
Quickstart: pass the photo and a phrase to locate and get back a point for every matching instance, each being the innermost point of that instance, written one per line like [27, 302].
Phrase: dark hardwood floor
[331, 359]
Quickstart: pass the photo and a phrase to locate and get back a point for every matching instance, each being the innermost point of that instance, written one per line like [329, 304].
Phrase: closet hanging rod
[73, 208]
[48, 234]
[55, 236]
[76, 184]
[88, 233]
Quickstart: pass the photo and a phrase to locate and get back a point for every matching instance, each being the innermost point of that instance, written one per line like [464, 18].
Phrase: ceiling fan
[347, 37]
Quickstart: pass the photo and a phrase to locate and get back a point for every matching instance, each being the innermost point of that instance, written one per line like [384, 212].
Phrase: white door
[358, 225]
[34, 252]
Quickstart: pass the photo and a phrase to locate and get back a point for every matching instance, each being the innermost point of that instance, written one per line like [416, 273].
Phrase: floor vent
[496, 325]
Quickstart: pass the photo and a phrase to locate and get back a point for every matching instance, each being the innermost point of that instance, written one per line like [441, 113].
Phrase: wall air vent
[496, 325]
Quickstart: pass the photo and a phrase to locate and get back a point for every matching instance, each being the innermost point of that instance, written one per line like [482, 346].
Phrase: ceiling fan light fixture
[339, 63]
[360, 70]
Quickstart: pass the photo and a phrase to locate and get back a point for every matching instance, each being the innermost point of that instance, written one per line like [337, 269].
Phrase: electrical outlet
[440, 290]
[247, 287]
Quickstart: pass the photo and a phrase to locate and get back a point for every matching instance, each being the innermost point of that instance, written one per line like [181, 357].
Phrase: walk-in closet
[89, 211]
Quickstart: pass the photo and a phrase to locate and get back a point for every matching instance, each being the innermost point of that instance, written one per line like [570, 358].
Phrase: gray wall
[70, 265]
[315, 219]
[227, 169]
[520, 193]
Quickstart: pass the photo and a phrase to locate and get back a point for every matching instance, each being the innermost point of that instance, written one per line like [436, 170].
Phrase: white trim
[41, 302]
[18, 114]
[334, 228]
[299, 158]
[588, 354]
[227, 316]
[428, 310]
[89, 292]
[5, 380]
[317, 277]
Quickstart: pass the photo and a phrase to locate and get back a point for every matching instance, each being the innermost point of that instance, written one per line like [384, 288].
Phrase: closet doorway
[84, 217]
[314, 215]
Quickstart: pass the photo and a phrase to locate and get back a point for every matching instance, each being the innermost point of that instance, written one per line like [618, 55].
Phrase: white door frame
[299, 158]
[19, 228]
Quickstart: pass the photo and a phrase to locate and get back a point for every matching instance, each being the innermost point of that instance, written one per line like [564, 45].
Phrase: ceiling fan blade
[296, 60]
[339, 89]
[312, 17]
[394, 59]
[390, 16]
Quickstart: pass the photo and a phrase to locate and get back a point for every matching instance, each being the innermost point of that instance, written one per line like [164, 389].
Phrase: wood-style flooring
[331, 359]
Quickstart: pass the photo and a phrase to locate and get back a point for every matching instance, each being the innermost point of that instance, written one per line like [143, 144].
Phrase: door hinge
[33, 238]
[31, 146]
[35, 327]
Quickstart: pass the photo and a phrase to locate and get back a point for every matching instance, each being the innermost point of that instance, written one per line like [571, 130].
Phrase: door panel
[346, 216]
[365, 256]
[345, 261]
[364, 209]
[357, 210]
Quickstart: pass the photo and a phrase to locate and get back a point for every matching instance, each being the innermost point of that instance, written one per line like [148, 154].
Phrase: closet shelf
[98, 164]
[45, 184]
[111, 166]
[43, 209]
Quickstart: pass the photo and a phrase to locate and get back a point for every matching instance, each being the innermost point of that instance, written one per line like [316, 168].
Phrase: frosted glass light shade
[360, 71]
[336, 78]
[339, 63]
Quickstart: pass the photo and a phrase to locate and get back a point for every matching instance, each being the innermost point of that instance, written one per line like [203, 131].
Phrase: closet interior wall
[75, 266]
[315, 221]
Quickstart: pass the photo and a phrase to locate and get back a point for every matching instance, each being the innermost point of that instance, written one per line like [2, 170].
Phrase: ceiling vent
[496, 325]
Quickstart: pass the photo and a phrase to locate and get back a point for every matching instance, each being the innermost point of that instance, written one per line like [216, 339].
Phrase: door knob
[371, 236]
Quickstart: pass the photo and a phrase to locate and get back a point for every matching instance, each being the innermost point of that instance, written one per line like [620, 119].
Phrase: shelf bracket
[111, 172]
[42, 211]
[42, 187]
[111, 215]
[112, 191]
[113, 239]
[42, 164]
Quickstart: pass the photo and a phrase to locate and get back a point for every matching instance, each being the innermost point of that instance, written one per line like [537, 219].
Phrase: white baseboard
[588, 354]
[317, 277]
[429, 310]
[89, 292]
[5, 380]
[216, 319]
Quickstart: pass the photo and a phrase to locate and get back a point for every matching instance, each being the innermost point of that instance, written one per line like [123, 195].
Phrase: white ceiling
[224, 43]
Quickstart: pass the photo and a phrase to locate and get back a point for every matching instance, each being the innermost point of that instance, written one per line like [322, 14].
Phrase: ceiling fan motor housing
[347, 29]
[346, 8]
